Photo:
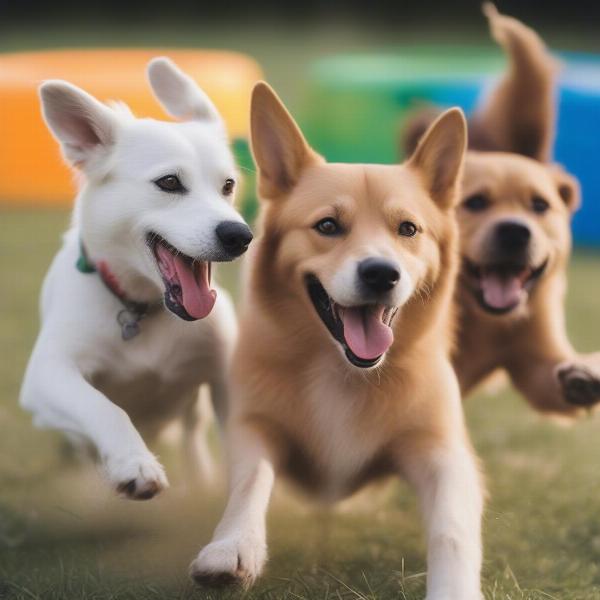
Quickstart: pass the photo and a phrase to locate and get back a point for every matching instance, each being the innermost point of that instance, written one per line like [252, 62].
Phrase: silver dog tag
[129, 324]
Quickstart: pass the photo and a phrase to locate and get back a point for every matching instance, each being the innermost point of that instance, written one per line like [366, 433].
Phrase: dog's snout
[378, 275]
[512, 236]
[234, 237]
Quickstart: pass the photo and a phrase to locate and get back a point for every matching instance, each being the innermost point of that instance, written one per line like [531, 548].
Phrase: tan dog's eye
[170, 183]
[228, 187]
[539, 205]
[476, 203]
[407, 229]
[328, 227]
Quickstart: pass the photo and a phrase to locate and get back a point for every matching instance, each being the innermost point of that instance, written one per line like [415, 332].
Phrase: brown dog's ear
[278, 146]
[440, 155]
[568, 188]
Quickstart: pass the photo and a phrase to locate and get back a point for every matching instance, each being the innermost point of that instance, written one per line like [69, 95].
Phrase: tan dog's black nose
[234, 237]
[512, 236]
[378, 274]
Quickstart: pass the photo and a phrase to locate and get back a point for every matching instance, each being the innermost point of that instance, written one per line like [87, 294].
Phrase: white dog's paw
[456, 595]
[137, 477]
[230, 560]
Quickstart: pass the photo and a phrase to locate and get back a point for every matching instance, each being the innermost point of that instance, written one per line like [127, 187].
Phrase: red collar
[132, 312]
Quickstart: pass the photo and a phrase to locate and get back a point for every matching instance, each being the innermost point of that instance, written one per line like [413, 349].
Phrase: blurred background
[349, 71]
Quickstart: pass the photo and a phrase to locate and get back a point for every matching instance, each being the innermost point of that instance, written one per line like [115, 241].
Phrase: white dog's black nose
[512, 236]
[234, 237]
[378, 274]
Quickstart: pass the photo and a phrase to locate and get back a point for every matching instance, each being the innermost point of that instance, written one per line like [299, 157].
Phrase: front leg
[238, 550]
[557, 381]
[58, 395]
[579, 379]
[451, 497]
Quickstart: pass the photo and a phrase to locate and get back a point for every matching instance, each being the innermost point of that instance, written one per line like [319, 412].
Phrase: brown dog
[342, 373]
[514, 224]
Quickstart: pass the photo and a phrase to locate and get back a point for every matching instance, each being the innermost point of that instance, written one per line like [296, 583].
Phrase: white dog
[116, 354]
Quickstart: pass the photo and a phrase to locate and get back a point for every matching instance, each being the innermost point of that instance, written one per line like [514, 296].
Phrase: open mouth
[187, 280]
[501, 288]
[364, 332]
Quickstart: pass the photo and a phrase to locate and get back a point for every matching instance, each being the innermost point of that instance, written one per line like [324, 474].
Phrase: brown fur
[324, 424]
[285, 349]
[516, 126]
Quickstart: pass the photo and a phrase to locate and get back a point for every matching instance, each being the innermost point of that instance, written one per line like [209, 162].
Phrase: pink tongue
[501, 292]
[197, 297]
[365, 333]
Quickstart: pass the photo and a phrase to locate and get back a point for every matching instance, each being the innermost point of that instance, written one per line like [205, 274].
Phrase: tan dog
[515, 237]
[342, 371]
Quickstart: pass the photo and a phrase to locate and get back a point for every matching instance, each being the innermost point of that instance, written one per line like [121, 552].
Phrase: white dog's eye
[407, 229]
[228, 187]
[170, 183]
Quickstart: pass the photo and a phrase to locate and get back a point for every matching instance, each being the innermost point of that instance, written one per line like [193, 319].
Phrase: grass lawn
[64, 536]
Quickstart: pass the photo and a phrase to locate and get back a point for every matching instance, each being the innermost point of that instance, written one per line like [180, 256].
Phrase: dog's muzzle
[364, 332]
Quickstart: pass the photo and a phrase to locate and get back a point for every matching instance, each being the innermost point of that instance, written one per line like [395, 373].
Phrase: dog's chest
[340, 446]
[151, 375]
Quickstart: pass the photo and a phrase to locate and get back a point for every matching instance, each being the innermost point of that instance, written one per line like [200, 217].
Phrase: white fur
[239, 544]
[150, 380]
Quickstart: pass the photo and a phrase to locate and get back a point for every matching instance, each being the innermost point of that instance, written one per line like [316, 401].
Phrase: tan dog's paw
[580, 384]
[238, 560]
[137, 477]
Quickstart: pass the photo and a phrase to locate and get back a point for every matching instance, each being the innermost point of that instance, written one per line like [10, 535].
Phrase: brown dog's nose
[512, 236]
[378, 275]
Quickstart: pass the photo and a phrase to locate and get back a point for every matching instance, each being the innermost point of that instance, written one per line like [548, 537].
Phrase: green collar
[83, 263]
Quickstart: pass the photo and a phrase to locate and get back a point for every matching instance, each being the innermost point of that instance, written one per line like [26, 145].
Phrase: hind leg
[196, 421]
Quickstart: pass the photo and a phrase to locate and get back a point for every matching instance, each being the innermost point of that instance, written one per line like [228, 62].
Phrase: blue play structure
[363, 100]
[578, 140]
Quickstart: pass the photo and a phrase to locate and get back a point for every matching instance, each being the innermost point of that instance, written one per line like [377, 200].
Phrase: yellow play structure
[31, 170]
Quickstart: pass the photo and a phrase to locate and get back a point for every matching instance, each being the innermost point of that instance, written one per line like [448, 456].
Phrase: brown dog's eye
[328, 227]
[170, 183]
[539, 205]
[228, 187]
[476, 203]
[407, 229]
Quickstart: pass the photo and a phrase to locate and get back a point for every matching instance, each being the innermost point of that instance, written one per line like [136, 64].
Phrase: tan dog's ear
[278, 146]
[439, 157]
[568, 188]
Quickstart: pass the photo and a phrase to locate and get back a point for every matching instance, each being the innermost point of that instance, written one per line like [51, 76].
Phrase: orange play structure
[31, 169]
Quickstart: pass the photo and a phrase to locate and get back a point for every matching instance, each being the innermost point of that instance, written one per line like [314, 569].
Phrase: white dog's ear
[439, 157]
[278, 146]
[178, 93]
[84, 127]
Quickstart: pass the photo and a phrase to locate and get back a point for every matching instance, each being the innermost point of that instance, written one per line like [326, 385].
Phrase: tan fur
[517, 123]
[301, 410]
[531, 341]
[516, 115]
